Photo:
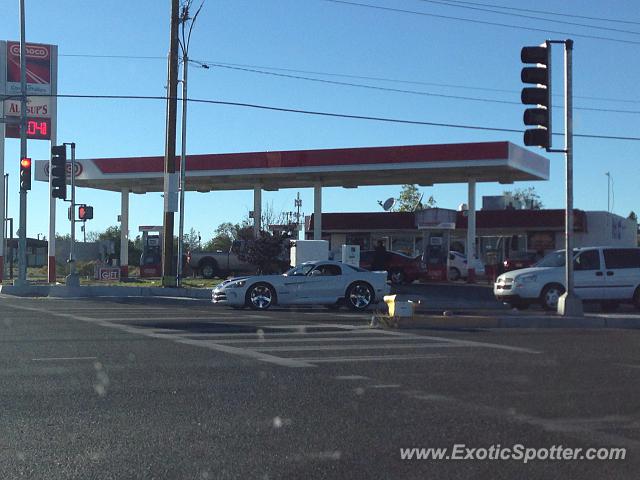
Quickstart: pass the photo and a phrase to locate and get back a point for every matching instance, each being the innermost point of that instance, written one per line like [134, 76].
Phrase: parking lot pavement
[117, 387]
[295, 338]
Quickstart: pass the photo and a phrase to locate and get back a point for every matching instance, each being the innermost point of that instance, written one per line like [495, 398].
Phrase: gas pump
[437, 225]
[151, 258]
[436, 254]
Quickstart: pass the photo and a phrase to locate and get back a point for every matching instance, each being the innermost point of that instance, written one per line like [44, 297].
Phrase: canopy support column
[317, 211]
[471, 233]
[124, 233]
[257, 210]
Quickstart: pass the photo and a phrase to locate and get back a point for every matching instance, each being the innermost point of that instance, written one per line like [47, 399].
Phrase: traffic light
[540, 95]
[25, 174]
[85, 212]
[58, 166]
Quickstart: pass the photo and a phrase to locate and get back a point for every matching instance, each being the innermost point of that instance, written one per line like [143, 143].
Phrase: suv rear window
[622, 257]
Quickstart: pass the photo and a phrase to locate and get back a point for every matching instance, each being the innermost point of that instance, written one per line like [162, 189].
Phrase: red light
[25, 163]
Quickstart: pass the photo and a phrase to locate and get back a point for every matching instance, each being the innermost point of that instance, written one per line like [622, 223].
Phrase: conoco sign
[41, 75]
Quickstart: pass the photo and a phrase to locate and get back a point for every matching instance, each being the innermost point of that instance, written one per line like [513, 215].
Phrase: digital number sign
[37, 129]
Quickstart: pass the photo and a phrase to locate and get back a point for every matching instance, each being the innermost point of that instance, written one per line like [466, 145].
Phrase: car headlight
[525, 279]
[238, 284]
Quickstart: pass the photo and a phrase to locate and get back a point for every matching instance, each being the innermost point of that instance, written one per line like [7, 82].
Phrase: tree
[269, 252]
[410, 200]
[528, 196]
[633, 216]
[191, 240]
[226, 234]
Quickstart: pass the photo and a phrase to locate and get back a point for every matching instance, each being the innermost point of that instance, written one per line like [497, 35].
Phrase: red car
[520, 260]
[400, 267]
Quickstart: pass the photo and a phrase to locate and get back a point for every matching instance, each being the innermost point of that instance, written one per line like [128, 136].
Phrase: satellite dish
[388, 204]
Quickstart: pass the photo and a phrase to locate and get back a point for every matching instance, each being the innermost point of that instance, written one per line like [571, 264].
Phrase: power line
[373, 87]
[345, 75]
[520, 15]
[326, 114]
[483, 22]
[396, 90]
[557, 14]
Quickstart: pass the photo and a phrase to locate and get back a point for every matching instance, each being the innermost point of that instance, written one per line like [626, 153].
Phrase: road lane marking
[471, 343]
[259, 340]
[268, 335]
[54, 359]
[366, 358]
[351, 377]
[304, 348]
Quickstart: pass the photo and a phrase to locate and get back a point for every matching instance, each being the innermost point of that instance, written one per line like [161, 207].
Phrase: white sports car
[318, 282]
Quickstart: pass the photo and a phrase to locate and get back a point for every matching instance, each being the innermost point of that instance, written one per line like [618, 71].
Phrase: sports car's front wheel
[359, 296]
[260, 296]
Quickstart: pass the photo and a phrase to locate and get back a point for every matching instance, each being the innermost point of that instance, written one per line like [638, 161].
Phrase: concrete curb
[62, 291]
[464, 322]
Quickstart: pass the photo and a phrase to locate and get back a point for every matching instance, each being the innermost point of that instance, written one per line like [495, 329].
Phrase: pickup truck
[219, 264]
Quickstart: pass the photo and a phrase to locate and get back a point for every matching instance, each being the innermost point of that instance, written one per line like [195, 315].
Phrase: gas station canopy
[501, 162]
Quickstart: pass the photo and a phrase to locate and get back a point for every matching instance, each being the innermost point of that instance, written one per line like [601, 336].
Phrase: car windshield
[554, 259]
[299, 271]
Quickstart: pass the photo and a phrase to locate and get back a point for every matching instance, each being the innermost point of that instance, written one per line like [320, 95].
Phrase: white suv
[608, 275]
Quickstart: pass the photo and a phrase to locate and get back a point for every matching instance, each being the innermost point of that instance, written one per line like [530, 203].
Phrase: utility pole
[170, 179]
[184, 46]
[608, 174]
[22, 238]
[298, 205]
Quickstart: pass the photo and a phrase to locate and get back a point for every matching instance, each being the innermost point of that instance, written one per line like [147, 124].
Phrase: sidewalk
[62, 291]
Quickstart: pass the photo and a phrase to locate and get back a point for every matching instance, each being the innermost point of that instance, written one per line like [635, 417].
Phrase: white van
[608, 275]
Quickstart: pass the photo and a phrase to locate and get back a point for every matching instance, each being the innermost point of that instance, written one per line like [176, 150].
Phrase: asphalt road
[174, 389]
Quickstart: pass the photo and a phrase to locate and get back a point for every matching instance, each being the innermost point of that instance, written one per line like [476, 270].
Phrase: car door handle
[599, 274]
[610, 274]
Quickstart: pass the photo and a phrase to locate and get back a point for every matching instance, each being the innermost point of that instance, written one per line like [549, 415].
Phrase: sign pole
[22, 237]
[51, 244]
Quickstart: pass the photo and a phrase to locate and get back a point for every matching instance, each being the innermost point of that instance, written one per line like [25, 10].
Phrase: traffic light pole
[72, 279]
[569, 304]
[22, 237]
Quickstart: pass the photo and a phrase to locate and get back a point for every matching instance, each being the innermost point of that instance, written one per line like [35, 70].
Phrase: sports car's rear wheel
[260, 296]
[359, 296]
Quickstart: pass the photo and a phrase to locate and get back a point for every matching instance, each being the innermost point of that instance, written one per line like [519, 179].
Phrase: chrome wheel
[359, 296]
[397, 277]
[454, 274]
[208, 270]
[260, 296]
[550, 296]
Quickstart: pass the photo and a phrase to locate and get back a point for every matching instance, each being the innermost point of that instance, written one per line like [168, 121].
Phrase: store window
[364, 240]
[402, 244]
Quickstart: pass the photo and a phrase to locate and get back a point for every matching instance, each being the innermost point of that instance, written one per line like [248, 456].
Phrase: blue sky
[440, 55]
